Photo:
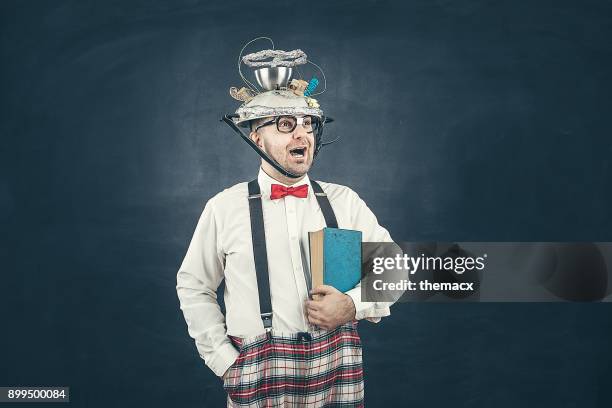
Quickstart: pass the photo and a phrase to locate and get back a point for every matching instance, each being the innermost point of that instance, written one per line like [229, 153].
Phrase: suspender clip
[304, 337]
[266, 318]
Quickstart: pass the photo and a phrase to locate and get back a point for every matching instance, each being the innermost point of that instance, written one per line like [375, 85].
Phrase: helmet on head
[279, 95]
[276, 103]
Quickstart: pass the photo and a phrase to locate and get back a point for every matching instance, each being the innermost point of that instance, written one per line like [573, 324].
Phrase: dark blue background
[473, 120]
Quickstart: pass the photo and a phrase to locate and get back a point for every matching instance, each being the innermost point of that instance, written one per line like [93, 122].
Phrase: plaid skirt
[315, 369]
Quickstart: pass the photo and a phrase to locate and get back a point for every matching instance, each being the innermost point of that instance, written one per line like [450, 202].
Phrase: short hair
[256, 122]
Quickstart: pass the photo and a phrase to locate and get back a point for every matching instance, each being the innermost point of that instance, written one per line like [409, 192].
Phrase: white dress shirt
[221, 247]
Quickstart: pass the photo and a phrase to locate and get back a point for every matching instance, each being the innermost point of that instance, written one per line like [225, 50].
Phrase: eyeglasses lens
[287, 124]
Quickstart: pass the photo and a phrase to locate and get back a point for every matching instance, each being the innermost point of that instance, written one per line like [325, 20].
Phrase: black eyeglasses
[287, 123]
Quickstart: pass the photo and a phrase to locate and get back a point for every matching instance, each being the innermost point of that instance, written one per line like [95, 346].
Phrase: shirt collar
[265, 183]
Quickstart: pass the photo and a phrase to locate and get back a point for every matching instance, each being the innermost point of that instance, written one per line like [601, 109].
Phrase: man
[304, 351]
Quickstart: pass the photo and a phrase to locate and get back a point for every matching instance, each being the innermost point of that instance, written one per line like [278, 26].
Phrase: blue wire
[312, 85]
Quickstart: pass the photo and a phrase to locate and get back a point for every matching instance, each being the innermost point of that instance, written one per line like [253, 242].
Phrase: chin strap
[318, 144]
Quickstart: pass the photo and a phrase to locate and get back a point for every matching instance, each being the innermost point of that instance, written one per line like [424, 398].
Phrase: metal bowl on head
[270, 78]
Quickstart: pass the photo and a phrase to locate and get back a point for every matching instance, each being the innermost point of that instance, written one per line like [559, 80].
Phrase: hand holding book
[329, 308]
[335, 264]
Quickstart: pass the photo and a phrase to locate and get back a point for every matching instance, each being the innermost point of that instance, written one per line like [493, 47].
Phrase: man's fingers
[315, 315]
[313, 304]
[323, 290]
[314, 320]
[311, 307]
[321, 324]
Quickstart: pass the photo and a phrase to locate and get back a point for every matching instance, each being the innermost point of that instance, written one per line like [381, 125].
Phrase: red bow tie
[279, 191]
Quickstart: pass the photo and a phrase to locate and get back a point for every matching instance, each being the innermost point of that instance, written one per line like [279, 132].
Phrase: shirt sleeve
[197, 280]
[364, 220]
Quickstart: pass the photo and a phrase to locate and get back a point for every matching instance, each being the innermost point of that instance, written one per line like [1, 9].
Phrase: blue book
[335, 258]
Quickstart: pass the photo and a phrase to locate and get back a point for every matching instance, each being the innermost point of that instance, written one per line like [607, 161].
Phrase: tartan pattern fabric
[287, 370]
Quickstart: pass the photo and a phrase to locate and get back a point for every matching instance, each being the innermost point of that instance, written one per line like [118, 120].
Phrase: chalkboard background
[473, 120]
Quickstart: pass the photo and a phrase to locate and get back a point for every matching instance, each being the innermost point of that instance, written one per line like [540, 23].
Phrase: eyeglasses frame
[299, 120]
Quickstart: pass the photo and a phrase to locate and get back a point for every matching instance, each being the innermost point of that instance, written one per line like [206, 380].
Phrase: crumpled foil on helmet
[279, 58]
[255, 112]
[276, 103]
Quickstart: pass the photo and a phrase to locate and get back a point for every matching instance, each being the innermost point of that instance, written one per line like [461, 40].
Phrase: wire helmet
[278, 95]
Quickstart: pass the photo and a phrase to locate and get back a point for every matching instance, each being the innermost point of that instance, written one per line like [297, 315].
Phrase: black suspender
[328, 213]
[258, 235]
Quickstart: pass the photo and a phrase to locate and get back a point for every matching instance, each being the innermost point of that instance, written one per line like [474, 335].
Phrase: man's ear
[256, 137]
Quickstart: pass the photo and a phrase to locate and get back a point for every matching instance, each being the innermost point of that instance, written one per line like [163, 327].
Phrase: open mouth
[298, 152]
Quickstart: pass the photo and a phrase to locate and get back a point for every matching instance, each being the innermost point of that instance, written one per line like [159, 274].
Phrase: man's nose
[300, 132]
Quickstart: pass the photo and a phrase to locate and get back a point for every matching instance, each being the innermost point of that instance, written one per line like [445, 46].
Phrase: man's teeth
[297, 152]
